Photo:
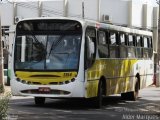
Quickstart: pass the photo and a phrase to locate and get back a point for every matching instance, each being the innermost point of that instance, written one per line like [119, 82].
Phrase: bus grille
[36, 91]
[40, 83]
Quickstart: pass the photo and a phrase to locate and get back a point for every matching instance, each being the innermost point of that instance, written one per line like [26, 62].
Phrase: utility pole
[158, 1]
[158, 48]
[65, 8]
[83, 9]
[157, 78]
[1, 58]
[39, 9]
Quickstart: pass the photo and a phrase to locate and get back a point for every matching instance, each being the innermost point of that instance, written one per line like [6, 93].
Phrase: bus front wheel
[39, 100]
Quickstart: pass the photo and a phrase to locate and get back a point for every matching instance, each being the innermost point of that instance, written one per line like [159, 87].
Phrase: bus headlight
[18, 79]
[73, 79]
[23, 81]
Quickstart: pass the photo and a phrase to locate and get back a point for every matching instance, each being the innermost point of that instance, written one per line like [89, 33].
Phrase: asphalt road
[146, 108]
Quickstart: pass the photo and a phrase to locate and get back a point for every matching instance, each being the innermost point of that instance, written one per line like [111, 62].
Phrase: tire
[136, 91]
[133, 95]
[39, 100]
[99, 98]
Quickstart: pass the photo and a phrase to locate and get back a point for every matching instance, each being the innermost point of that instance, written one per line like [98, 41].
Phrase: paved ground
[146, 108]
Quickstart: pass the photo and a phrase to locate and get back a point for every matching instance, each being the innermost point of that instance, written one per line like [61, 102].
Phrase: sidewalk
[150, 93]
[7, 89]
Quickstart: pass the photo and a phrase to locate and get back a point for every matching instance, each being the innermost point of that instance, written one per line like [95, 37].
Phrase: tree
[1, 59]
[158, 57]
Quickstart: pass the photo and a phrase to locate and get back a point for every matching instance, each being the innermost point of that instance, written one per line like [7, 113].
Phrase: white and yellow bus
[70, 58]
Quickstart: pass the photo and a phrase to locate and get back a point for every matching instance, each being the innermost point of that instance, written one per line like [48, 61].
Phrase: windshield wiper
[40, 46]
[58, 41]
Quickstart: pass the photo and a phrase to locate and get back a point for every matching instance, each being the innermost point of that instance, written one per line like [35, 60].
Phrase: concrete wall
[7, 14]
[75, 8]
[116, 9]
[137, 13]
[52, 8]
[27, 9]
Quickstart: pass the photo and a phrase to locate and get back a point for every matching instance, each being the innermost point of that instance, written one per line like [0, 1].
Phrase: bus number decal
[67, 74]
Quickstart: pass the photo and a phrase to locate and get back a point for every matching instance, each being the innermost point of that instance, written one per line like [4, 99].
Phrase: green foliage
[4, 100]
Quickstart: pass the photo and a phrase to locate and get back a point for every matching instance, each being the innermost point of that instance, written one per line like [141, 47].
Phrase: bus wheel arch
[137, 86]
[103, 81]
[101, 92]
[138, 79]
[133, 95]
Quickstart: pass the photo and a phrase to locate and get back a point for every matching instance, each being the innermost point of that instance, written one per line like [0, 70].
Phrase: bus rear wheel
[133, 95]
[39, 100]
[98, 99]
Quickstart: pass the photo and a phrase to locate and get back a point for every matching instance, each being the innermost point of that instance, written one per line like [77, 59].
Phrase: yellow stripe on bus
[117, 73]
[45, 77]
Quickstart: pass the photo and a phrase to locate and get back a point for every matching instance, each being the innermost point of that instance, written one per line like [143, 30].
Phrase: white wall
[27, 9]
[52, 8]
[149, 16]
[75, 8]
[90, 9]
[136, 13]
[123, 12]
[116, 9]
[6, 11]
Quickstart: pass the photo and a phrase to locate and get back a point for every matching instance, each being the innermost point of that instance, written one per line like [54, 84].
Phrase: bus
[72, 58]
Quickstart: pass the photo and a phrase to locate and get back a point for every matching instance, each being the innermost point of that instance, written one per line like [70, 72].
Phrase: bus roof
[98, 25]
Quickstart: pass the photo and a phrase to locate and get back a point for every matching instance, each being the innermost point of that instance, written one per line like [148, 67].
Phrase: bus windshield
[47, 51]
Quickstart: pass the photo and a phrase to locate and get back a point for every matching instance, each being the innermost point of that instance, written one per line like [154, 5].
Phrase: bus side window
[90, 46]
[113, 45]
[149, 40]
[113, 38]
[145, 40]
[139, 49]
[139, 41]
[123, 45]
[150, 53]
[103, 45]
[131, 47]
[130, 40]
[122, 39]
[146, 48]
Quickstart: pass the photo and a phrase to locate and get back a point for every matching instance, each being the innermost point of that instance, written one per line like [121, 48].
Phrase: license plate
[44, 89]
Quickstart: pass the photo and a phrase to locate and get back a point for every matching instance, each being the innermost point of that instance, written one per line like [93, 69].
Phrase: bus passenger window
[145, 43]
[102, 38]
[139, 49]
[103, 46]
[150, 52]
[130, 40]
[90, 47]
[113, 47]
[139, 41]
[146, 48]
[122, 39]
[113, 38]
[123, 47]
[149, 39]
[131, 48]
